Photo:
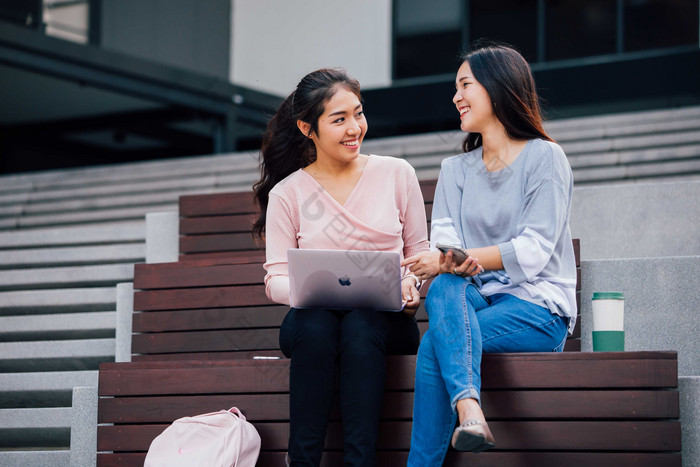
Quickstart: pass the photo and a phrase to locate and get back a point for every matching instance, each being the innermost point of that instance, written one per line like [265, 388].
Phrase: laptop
[345, 279]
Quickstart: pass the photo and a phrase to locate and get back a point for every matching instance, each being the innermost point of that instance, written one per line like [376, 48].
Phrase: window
[23, 12]
[579, 29]
[651, 24]
[428, 37]
[511, 21]
[67, 19]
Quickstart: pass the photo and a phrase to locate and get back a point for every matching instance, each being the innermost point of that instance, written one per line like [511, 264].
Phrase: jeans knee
[443, 286]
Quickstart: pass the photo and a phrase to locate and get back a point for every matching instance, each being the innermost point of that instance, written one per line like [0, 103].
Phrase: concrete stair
[67, 237]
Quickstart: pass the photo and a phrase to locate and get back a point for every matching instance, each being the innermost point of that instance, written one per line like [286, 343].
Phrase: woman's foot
[473, 433]
[473, 436]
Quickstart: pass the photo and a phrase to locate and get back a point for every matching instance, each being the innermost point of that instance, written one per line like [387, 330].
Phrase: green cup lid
[608, 296]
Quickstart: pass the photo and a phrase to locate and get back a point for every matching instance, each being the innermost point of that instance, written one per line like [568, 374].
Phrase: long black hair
[285, 149]
[508, 80]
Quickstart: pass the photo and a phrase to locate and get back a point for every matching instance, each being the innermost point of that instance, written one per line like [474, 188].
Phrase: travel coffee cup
[608, 322]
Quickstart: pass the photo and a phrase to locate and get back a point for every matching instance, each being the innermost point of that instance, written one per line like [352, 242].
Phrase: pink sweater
[384, 212]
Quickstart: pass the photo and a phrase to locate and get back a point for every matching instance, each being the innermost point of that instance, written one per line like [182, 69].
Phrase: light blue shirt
[524, 209]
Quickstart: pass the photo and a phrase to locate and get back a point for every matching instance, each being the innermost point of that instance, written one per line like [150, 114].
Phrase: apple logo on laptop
[344, 281]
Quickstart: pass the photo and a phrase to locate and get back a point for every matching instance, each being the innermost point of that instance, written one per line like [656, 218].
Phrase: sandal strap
[470, 422]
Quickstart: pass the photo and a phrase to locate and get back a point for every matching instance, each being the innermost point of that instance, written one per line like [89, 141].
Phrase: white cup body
[608, 315]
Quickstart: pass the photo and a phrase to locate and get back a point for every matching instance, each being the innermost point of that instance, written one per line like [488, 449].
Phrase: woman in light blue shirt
[506, 200]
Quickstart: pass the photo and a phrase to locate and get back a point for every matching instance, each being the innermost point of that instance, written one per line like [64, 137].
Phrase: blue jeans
[356, 342]
[463, 325]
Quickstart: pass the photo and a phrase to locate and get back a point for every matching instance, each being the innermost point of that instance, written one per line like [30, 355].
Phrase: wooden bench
[200, 321]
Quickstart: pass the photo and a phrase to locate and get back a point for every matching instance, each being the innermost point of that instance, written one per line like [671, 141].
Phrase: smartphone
[459, 254]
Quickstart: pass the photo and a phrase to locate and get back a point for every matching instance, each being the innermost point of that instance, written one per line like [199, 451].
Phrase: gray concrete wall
[689, 388]
[637, 220]
[661, 304]
[191, 34]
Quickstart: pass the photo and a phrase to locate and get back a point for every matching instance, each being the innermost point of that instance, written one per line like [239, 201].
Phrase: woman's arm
[415, 223]
[280, 235]
[541, 223]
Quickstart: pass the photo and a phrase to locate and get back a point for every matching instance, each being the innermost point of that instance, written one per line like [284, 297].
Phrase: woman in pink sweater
[318, 191]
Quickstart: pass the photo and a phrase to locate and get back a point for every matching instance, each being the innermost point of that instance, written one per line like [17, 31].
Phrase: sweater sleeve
[446, 210]
[280, 235]
[415, 232]
[540, 225]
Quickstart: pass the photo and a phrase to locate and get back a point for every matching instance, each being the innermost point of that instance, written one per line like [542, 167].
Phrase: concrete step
[145, 201]
[118, 173]
[429, 166]
[637, 220]
[662, 171]
[566, 135]
[76, 276]
[105, 234]
[591, 160]
[42, 389]
[14, 458]
[204, 168]
[450, 142]
[661, 302]
[655, 170]
[689, 389]
[42, 427]
[638, 117]
[572, 134]
[73, 256]
[68, 355]
[632, 142]
[57, 301]
[84, 217]
[57, 326]
[231, 174]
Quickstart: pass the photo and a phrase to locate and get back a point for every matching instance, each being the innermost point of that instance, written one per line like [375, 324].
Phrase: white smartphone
[459, 254]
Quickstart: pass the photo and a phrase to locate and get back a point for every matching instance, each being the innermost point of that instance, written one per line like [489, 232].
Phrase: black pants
[358, 340]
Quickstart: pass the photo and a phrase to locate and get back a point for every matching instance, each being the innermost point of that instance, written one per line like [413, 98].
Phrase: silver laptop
[345, 279]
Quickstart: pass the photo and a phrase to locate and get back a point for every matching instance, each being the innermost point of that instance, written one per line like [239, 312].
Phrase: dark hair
[284, 148]
[508, 80]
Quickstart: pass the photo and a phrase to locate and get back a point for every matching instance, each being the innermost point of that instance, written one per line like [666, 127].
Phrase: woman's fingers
[470, 267]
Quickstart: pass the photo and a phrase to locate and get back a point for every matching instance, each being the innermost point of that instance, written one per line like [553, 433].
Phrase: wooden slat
[210, 318]
[216, 224]
[207, 356]
[217, 243]
[225, 340]
[205, 297]
[217, 204]
[511, 435]
[398, 405]
[207, 341]
[455, 459]
[209, 273]
[222, 255]
[574, 370]
[186, 275]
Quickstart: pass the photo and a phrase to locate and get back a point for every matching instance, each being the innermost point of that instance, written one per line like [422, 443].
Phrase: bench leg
[83, 432]
[124, 325]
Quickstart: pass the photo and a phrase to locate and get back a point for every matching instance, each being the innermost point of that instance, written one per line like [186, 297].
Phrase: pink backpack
[217, 439]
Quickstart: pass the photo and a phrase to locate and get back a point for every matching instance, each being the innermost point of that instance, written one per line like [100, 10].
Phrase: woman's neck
[498, 149]
[331, 168]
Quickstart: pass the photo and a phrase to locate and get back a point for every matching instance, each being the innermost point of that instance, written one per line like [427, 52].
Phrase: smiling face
[341, 128]
[473, 102]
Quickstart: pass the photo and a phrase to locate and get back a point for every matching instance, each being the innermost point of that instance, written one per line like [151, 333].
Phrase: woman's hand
[424, 265]
[470, 266]
[409, 292]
